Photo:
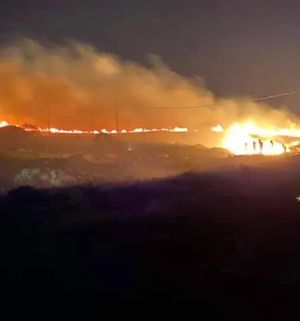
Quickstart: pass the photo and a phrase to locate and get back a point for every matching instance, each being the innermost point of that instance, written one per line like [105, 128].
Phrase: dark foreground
[229, 241]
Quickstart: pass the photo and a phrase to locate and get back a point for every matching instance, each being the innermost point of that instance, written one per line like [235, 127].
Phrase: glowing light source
[4, 124]
[250, 139]
[217, 129]
[54, 130]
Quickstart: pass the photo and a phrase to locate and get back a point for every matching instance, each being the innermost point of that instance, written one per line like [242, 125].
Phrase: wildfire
[54, 130]
[250, 139]
[217, 129]
[239, 138]
[4, 124]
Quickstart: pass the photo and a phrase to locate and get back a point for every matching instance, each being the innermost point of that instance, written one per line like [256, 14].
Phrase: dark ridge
[228, 241]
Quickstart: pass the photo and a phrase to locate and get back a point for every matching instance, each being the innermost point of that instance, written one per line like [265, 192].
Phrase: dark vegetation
[227, 240]
[43, 160]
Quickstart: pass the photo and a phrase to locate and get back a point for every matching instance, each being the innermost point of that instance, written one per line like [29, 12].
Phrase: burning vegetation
[246, 139]
[73, 89]
[250, 139]
[53, 130]
[239, 139]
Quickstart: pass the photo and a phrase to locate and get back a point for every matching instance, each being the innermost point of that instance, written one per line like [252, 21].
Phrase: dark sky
[238, 47]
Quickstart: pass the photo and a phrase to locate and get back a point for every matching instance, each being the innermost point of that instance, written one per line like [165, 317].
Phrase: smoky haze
[80, 87]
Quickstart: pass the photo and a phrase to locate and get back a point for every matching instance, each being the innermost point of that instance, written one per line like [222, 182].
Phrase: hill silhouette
[227, 240]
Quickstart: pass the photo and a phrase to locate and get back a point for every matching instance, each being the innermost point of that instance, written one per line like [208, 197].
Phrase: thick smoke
[81, 88]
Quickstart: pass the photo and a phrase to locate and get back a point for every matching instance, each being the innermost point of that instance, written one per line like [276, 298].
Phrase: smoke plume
[79, 87]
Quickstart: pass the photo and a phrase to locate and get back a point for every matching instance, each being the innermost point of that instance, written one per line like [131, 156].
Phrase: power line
[277, 95]
[183, 107]
[222, 104]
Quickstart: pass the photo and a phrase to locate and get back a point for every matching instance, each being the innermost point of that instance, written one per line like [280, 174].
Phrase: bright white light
[217, 129]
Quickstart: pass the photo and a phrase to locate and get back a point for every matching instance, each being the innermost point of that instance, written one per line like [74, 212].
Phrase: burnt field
[228, 240]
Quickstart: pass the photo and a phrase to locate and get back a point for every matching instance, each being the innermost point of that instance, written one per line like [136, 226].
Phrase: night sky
[238, 47]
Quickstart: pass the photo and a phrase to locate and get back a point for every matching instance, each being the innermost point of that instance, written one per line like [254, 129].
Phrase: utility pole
[48, 120]
[48, 130]
[117, 117]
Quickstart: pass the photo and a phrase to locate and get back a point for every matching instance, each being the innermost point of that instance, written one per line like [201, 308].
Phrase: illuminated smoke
[76, 86]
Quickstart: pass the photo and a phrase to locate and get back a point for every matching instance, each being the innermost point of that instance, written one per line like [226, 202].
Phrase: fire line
[54, 130]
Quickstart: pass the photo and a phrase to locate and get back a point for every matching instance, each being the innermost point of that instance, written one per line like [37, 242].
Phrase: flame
[250, 139]
[54, 130]
[217, 129]
[239, 138]
[4, 124]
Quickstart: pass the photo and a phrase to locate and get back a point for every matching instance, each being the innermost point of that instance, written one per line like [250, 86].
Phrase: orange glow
[54, 130]
[250, 139]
